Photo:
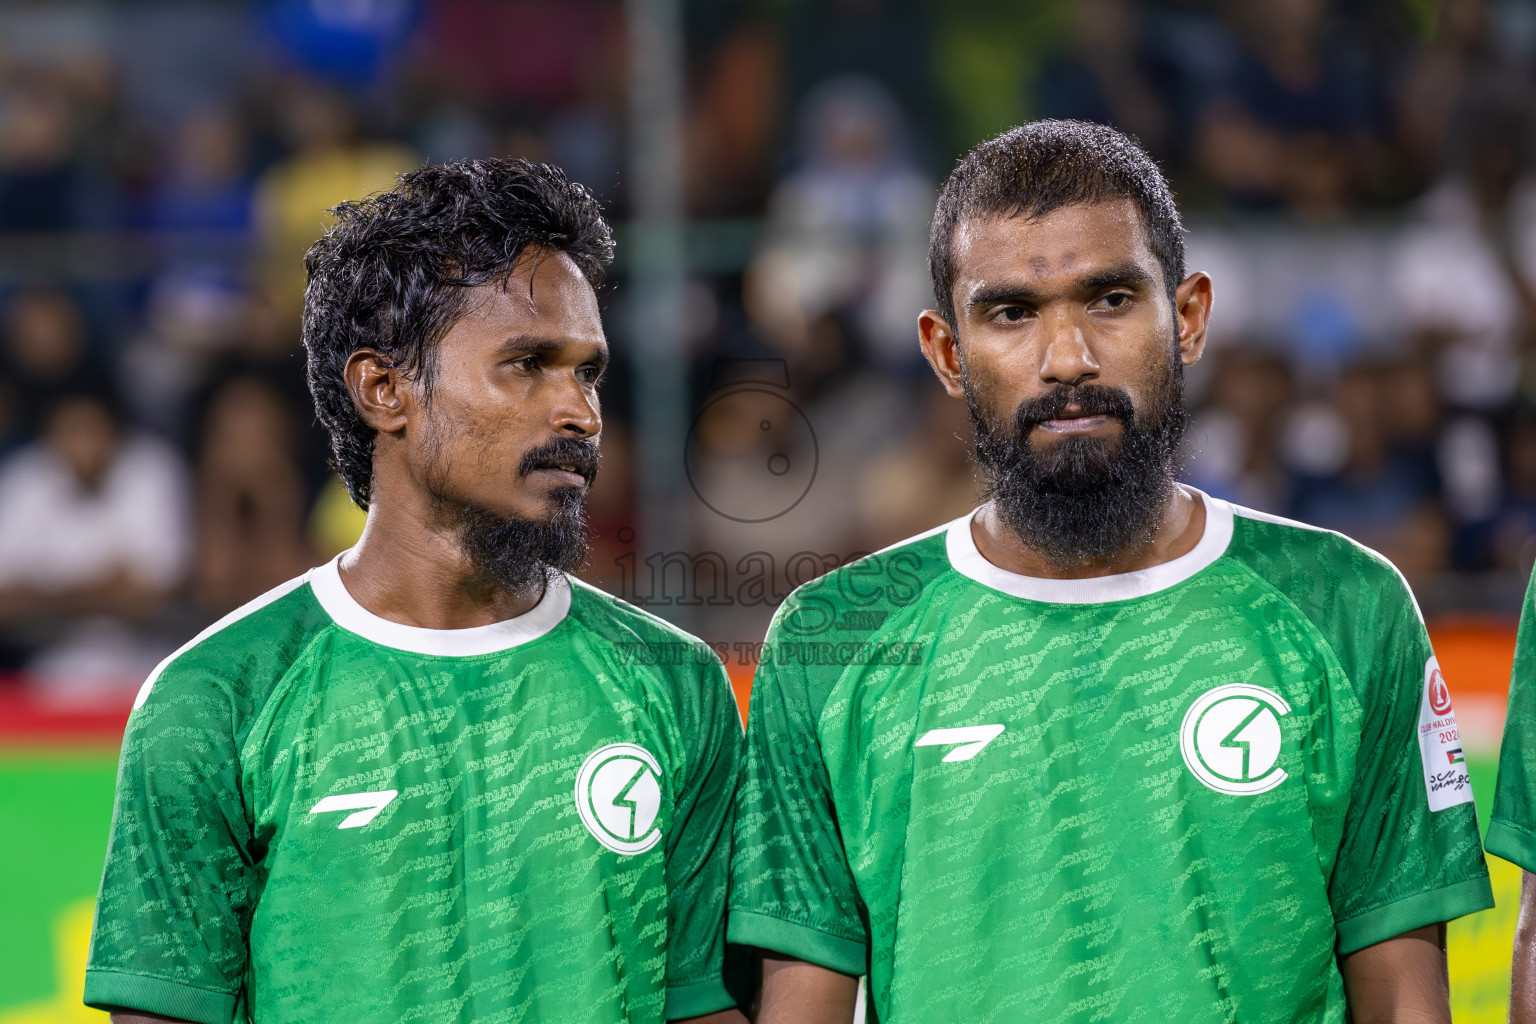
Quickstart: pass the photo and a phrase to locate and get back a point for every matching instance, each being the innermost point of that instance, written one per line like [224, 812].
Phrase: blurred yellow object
[293, 198]
[71, 942]
[1480, 947]
[335, 523]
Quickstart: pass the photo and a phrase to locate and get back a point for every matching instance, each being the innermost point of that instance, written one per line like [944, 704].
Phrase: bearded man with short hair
[1117, 750]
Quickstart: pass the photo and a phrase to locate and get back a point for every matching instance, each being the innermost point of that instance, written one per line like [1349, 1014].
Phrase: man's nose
[576, 413]
[1066, 357]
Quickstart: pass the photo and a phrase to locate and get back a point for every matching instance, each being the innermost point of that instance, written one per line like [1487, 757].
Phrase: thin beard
[512, 553]
[522, 555]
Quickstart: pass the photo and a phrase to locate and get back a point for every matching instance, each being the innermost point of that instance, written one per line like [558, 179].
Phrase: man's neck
[405, 570]
[1181, 527]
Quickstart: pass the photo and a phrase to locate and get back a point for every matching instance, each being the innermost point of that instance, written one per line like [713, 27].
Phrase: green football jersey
[322, 815]
[1512, 830]
[1172, 794]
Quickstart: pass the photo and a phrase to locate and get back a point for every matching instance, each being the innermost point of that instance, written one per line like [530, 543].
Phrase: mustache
[1090, 400]
[582, 453]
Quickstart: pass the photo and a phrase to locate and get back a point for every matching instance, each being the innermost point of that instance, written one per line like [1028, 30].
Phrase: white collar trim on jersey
[969, 561]
[343, 608]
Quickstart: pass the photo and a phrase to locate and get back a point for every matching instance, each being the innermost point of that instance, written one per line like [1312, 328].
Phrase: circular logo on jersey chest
[618, 795]
[1231, 739]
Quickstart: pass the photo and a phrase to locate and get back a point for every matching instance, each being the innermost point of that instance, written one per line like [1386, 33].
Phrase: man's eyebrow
[992, 295]
[534, 344]
[530, 343]
[1128, 274]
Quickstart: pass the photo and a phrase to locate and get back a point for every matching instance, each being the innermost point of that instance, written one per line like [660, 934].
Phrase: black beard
[514, 552]
[1083, 499]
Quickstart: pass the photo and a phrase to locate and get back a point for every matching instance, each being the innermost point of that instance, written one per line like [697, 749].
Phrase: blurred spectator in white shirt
[847, 231]
[93, 520]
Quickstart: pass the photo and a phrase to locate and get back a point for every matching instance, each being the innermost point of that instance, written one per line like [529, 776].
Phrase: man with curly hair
[436, 779]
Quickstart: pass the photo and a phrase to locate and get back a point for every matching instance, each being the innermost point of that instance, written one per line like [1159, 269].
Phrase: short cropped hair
[1040, 167]
[392, 275]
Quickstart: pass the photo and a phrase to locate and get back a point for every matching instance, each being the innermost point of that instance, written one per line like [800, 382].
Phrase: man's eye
[1012, 314]
[529, 363]
[1114, 300]
[589, 374]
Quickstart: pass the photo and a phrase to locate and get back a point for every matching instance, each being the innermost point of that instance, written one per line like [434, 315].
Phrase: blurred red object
[31, 718]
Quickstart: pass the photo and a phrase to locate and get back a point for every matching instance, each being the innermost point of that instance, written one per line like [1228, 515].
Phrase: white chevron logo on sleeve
[367, 806]
[971, 740]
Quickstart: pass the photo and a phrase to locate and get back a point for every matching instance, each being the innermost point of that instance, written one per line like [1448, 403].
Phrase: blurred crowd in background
[1357, 175]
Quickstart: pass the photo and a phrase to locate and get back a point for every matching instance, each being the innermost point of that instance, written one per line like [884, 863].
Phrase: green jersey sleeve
[1512, 832]
[792, 890]
[178, 886]
[1410, 854]
[699, 854]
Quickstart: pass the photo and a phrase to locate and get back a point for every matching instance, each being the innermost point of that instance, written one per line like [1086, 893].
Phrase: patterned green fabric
[1167, 795]
[321, 821]
[1512, 832]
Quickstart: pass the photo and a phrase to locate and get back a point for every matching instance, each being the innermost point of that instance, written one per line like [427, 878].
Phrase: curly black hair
[1040, 167]
[392, 274]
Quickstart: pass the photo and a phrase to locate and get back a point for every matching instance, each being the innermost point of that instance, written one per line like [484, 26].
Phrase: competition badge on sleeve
[1445, 767]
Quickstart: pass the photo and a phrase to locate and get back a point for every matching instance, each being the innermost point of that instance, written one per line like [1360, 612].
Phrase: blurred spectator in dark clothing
[1101, 76]
[46, 346]
[38, 177]
[730, 122]
[191, 318]
[205, 184]
[1410, 415]
[93, 521]
[1513, 536]
[847, 230]
[1296, 118]
[1456, 457]
[202, 198]
[1381, 494]
[250, 497]
[1234, 441]
[1493, 167]
[1436, 78]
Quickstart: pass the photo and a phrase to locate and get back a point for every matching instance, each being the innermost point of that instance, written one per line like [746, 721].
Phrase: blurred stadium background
[1358, 176]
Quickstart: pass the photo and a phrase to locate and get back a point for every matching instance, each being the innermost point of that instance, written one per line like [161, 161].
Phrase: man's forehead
[1066, 242]
[544, 290]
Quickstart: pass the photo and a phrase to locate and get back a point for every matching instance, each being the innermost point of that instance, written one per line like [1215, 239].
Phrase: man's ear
[377, 390]
[942, 350]
[1192, 310]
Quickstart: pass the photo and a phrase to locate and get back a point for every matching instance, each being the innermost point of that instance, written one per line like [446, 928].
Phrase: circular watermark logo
[751, 454]
[1231, 738]
[618, 795]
